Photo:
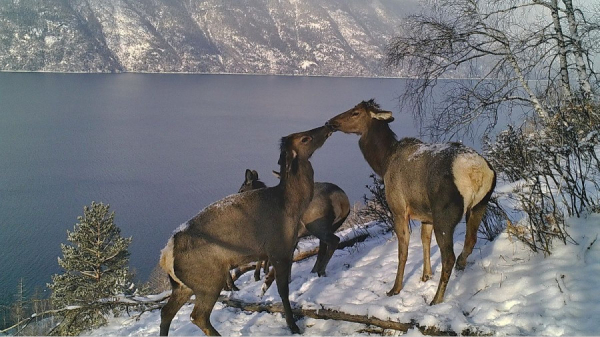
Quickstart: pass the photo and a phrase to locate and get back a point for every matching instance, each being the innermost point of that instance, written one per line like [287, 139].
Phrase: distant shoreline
[234, 74]
[198, 73]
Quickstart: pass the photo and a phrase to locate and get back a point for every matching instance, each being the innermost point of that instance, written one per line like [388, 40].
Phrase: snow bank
[505, 290]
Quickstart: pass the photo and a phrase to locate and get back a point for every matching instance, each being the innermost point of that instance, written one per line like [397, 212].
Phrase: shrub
[376, 206]
[556, 168]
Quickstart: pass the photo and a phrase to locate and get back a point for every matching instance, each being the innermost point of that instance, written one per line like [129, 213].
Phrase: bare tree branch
[507, 41]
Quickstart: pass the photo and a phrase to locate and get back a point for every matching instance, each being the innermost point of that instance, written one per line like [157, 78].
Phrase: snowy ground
[505, 290]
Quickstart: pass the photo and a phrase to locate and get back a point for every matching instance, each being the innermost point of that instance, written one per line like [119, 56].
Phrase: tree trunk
[582, 73]
[562, 51]
[537, 106]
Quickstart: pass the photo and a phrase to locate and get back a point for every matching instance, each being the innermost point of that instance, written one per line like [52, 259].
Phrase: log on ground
[325, 313]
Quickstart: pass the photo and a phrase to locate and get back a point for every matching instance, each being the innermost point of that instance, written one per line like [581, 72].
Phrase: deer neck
[377, 145]
[298, 188]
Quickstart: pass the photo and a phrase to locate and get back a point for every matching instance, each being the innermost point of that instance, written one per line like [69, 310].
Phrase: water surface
[157, 148]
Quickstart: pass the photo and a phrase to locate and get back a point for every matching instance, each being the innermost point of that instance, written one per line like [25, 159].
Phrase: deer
[251, 182]
[434, 183]
[326, 212]
[238, 229]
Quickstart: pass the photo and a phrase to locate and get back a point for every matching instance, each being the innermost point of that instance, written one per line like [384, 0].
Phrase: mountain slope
[309, 37]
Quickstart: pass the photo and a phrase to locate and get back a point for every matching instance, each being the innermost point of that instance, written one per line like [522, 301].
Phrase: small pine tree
[96, 270]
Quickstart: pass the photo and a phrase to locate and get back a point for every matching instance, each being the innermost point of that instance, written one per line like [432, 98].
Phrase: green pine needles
[95, 274]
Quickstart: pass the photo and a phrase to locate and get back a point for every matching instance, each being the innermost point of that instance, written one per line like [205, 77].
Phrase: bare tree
[513, 52]
[19, 310]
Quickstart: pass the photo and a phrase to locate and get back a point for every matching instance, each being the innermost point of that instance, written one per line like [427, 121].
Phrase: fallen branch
[144, 305]
[325, 313]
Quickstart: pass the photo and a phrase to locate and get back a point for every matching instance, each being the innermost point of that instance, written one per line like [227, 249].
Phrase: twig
[558, 283]
[592, 243]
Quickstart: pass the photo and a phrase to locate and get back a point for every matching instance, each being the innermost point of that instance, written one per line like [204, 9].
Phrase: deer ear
[254, 174]
[287, 160]
[290, 160]
[249, 176]
[277, 174]
[382, 115]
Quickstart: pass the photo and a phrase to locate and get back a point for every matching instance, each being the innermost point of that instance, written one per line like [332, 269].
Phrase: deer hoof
[434, 302]
[295, 329]
[392, 292]
[231, 288]
[461, 263]
[263, 289]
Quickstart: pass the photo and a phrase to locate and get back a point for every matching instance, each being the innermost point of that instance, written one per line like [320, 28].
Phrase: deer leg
[179, 295]
[230, 285]
[426, 229]
[445, 220]
[207, 289]
[323, 229]
[401, 229]
[259, 264]
[282, 272]
[320, 257]
[445, 243]
[473, 217]
[269, 278]
[332, 243]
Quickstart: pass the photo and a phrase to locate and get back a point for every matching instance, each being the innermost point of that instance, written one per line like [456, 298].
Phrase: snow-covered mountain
[304, 37]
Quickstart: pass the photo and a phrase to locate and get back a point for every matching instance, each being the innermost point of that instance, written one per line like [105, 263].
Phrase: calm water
[157, 148]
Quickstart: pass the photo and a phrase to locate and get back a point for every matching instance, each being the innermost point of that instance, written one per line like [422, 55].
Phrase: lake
[158, 148]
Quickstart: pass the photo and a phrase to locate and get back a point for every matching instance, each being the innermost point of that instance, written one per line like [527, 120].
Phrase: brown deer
[239, 229]
[326, 212]
[433, 183]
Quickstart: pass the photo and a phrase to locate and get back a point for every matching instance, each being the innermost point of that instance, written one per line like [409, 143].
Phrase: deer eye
[305, 139]
[355, 113]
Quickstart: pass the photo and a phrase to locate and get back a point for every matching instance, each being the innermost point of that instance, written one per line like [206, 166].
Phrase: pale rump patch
[341, 205]
[473, 178]
[167, 259]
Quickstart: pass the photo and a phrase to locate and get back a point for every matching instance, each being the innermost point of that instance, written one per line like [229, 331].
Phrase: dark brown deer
[433, 183]
[239, 229]
[326, 212]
